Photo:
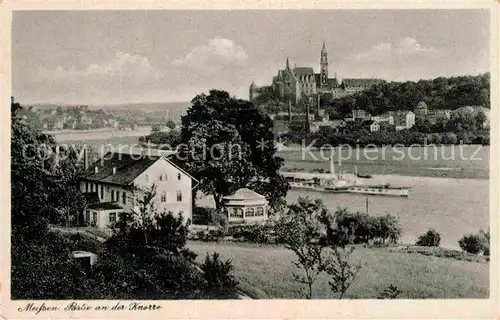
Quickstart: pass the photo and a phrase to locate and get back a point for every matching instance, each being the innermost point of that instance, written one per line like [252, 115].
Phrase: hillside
[440, 93]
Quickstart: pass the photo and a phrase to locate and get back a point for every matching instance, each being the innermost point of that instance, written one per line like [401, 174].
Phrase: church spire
[324, 46]
[287, 63]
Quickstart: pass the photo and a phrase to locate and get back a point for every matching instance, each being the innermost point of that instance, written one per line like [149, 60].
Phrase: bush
[431, 238]
[391, 292]
[361, 228]
[474, 243]
[219, 281]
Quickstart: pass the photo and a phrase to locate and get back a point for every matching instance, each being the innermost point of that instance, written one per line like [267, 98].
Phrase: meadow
[266, 272]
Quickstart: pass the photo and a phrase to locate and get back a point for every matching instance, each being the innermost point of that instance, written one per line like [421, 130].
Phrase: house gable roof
[128, 167]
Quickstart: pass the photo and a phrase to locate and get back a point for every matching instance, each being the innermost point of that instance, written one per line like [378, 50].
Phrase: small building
[404, 120]
[360, 114]
[85, 259]
[421, 110]
[372, 125]
[245, 206]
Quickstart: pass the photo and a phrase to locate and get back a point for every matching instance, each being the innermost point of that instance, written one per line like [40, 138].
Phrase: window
[87, 217]
[166, 177]
[117, 196]
[93, 187]
[102, 191]
[179, 176]
[163, 197]
[179, 196]
[94, 218]
[112, 195]
[86, 187]
[249, 212]
[112, 217]
[260, 212]
[238, 213]
[161, 177]
[124, 197]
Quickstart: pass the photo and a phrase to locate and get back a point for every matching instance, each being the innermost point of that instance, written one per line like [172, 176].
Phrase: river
[451, 206]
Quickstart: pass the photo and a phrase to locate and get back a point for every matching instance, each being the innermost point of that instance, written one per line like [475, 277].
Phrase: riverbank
[453, 207]
[459, 162]
[267, 271]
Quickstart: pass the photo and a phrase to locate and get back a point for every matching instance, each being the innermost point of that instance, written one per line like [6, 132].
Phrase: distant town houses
[72, 118]
[316, 119]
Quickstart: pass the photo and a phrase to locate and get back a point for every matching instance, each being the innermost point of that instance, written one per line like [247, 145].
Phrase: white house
[113, 181]
[404, 120]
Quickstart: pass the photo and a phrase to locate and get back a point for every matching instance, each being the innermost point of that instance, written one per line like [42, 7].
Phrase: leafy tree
[342, 273]
[171, 124]
[220, 283]
[299, 229]
[167, 139]
[42, 265]
[475, 243]
[431, 238]
[229, 144]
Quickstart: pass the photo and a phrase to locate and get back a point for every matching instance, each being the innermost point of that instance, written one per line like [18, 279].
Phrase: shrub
[431, 238]
[391, 292]
[473, 243]
[362, 228]
[219, 281]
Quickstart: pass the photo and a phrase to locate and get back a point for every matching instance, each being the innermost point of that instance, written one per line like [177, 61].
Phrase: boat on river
[340, 183]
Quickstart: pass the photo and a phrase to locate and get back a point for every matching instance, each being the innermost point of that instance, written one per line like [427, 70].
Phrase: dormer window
[179, 176]
[166, 177]
[161, 177]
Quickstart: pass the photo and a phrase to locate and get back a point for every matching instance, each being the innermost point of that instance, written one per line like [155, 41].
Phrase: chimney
[96, 169]
[85, 158]
[114, 170]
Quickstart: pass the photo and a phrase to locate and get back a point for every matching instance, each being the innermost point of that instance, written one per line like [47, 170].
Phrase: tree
[171, 124]
[42, 265]
[220, 283]
[299, 229]
[342, 273]
[475, 243]
[431, 238]
[229, 144]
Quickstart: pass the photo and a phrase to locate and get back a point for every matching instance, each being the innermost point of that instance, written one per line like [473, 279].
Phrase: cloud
[220, 63]
[123, 65]
[406, 48]
[219, 51]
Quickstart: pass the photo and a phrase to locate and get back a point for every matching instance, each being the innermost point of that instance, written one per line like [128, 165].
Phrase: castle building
[290, 84]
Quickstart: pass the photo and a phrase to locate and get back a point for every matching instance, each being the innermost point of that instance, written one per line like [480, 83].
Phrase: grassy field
[266, 272]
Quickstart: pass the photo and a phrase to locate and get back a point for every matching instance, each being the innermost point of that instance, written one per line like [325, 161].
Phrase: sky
[114, 57]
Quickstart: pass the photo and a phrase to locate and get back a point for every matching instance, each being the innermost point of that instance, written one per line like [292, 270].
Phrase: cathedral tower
[324, 67]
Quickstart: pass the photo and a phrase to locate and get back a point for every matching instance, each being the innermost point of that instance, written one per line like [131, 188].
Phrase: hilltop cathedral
[291, 84]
